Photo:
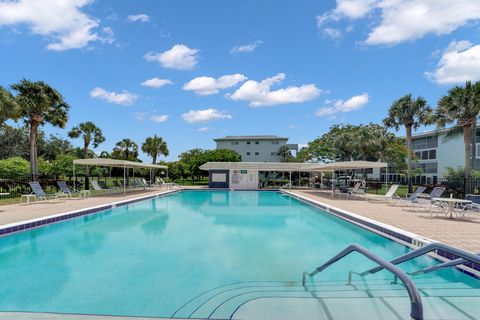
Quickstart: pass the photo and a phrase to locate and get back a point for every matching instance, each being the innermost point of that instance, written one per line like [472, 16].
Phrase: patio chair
[97, 187]
[146, 184]
[467, 210]
[387, 197]
[357, 190]
[104, 186]
[41, 195]
[343, 191]
[425, 201]
[410, 198]
[137, 184]
[65, 189]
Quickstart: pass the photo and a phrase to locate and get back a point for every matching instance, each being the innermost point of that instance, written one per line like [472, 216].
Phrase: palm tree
[410, 113]
[154, 147]
[8, 106]
[285, 153]
[39, 104]
[90, 133]
[126, 149]
[461, 107]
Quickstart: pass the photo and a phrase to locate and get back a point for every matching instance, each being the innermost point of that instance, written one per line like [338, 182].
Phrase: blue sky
[191, 71]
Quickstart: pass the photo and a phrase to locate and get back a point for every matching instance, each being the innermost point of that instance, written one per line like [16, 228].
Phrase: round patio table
[451, 203]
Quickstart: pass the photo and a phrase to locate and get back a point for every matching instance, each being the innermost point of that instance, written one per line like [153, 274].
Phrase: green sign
[243, 171]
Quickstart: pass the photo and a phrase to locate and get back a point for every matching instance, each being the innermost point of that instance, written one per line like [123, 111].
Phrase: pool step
[322, 300]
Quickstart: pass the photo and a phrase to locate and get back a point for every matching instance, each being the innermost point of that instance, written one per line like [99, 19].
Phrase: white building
[434, 153]
[255, 148]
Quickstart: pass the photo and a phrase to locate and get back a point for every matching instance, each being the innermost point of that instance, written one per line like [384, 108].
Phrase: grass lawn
[401, 191]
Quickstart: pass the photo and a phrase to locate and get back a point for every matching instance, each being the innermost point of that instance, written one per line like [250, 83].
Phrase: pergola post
[74, 180]
[124, 180]
[290, 175]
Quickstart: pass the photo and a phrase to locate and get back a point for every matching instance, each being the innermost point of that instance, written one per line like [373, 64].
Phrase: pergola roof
[350, 165]
[292, 166]
[102, 162]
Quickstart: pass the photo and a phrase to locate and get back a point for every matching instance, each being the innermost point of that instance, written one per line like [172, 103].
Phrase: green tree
[13, 142]
[409, 113]
[90, 133]
[13, 167]
[8, 106]
[126, 149]
[285, 153]
[192, 160]
[154, 147]
[39, 104]
[221, 155]
[52, 147]
[461, 107]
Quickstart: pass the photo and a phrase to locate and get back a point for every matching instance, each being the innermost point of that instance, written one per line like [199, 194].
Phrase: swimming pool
[205, 254]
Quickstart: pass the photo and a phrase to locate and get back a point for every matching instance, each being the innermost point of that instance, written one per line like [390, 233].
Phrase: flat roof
[258, 137]
[292, 166]
[103, 162]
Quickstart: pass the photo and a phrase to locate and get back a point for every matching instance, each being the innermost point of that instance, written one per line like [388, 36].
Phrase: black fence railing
[18, 184]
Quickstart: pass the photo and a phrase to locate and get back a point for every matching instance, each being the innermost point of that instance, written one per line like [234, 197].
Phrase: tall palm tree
[90, 133]
[154, 147]
[461, 107]
[410, 113]
[8, 105]
[285, 153]
[126, 149]
[39, 104]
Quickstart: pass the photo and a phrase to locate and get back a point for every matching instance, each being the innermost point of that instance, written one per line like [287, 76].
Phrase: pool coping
[407, 238]
[14, 227]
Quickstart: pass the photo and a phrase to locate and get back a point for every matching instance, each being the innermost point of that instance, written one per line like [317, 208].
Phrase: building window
[477, 150]
[248, 153]
[275, 142]
[234, 143]
[272, 153]
[256, 142]
[248, 142]
[432, 154]
[257, 153]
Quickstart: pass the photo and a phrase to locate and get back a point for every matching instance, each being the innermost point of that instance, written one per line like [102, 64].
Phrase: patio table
[451, 204]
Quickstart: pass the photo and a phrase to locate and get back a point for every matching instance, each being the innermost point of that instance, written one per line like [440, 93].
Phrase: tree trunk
[33, 151]
[474, 142]
[408, 130]
[467, 139]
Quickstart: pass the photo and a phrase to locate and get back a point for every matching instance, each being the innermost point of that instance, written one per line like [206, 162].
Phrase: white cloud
[332, 33]
[139, 116]
[122, 98]
[259, 94]
[294, 127]
[460, 62]
[204, 86]
[247, 47]
[206, 115]
[354, 103]
[178, 57]
[203, 129]
[61, 21]
[156, 83]
[159, 118]
[404, 20]
[138, 18]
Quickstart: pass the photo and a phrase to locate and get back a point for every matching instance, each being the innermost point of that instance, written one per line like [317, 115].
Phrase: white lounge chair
[357, 190]
[98, 188]
[387, 197]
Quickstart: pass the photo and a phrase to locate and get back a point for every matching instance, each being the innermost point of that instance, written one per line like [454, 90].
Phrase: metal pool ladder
[416, 307]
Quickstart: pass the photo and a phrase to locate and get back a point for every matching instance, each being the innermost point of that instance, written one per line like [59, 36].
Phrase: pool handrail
[448, 264]
[468, 256]
[416, 306]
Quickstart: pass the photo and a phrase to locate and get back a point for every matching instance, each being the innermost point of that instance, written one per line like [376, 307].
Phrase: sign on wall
[219, 177]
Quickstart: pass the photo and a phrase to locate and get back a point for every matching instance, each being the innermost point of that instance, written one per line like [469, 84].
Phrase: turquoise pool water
[151, 257]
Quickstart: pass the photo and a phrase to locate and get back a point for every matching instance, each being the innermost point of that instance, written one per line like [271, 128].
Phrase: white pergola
[114, 163]
[295, 166]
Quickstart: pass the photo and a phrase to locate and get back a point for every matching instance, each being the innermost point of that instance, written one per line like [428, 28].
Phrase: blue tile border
[386, 231]
[31, 224]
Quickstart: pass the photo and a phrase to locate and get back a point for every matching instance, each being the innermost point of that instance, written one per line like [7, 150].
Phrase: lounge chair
[357, 190]
[137, 184]
[146, 184]
[65, 189]
[467, 210]
[387, 197]
[410, 198]
[100, 186]
[41, 195]
[425, 201]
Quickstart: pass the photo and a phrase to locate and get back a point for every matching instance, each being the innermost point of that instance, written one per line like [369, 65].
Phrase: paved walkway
[463, 234]
[15, 213]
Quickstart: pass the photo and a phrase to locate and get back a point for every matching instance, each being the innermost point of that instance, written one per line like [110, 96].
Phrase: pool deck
[461, 233]
[13, 213]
